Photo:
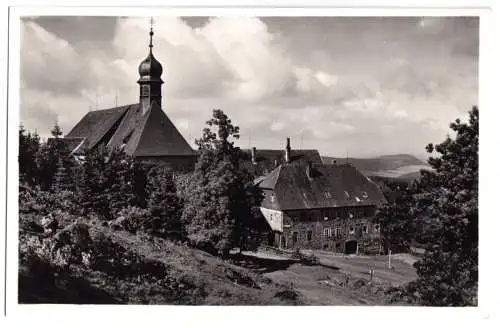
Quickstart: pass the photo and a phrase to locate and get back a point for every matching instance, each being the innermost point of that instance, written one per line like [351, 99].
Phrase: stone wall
[324, 229]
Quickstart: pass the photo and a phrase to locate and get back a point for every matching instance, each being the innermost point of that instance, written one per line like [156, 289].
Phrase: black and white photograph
[248, 160]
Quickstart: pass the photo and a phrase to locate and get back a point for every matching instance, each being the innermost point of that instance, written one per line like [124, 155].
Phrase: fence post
[390, 252]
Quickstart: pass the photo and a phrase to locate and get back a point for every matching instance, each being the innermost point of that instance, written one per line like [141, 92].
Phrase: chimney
[254, 158]
[288, 150]
[309, 169]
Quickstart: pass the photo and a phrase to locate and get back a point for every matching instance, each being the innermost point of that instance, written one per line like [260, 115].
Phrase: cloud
[50, 63]
[333, 83]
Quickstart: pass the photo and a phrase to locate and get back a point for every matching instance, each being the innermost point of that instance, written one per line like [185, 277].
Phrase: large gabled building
[322, 206]
[142, 130]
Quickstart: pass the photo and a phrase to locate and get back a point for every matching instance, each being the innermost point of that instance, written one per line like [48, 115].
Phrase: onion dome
[150, 68]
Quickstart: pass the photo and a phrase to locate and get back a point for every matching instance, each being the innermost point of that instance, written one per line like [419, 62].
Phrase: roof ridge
[119, 119]
[276, 197]
[111, 108]
[141, 127]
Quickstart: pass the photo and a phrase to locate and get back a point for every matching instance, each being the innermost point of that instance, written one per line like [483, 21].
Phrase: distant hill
[401, 166]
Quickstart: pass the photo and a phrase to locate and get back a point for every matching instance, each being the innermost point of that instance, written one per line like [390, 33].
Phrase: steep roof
[268, 159]
[149, 134]
[160, 137]
[96, 125]
[325, 187]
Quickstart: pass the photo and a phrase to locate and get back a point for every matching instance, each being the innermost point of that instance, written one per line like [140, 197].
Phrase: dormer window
[364, 194]
[346, 194]
[145, 91]
[328, 195]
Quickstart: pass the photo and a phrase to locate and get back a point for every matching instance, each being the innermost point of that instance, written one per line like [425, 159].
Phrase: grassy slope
[148, 270]
[158, 271]
[219, 282]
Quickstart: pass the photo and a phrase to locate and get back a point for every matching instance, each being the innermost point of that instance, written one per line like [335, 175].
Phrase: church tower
[150, 81]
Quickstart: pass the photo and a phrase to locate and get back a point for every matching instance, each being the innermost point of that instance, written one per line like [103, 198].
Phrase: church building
[142, 130]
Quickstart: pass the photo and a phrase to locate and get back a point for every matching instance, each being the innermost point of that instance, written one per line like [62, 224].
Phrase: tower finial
[151, 33]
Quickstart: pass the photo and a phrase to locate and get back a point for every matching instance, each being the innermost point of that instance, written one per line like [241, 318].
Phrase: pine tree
[448, 203]
[91, 183]
[120, 186]
[62, 177]
[48, 156]
[107, 182]
[397, 218]
[164, 204]
[29, 145]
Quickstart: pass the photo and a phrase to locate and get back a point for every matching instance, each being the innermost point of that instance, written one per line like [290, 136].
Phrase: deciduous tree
[217, 202]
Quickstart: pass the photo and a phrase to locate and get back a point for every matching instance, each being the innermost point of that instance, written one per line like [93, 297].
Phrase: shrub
[35, 200]
[133, 219]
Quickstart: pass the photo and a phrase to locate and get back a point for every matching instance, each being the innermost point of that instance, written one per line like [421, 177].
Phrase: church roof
[96, 124]
[142, 135]
[326, 186]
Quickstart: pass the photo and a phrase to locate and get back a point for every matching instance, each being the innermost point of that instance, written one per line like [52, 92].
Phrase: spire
[150, 71]
[151, 33]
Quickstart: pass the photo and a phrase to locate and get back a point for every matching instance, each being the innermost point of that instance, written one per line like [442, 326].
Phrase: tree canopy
[217, 204]
[446, 203]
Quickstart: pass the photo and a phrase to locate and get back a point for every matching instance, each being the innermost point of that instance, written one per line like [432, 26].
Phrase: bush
[35, 200]
[133, 219]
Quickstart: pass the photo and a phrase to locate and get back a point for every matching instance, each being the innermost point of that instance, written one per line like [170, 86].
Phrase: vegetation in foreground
[113, 230]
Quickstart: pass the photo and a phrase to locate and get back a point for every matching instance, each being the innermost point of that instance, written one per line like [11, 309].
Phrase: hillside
[402, 166]
[130, 268]
[139, 269]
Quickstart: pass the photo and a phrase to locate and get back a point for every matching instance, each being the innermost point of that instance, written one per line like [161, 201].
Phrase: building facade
[321, 206]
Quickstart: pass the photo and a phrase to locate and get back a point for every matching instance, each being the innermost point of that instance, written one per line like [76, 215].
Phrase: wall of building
[330, 229]
[177, 163]
[274, 218]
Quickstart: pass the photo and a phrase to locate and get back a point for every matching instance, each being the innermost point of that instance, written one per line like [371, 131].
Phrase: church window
[145, 91]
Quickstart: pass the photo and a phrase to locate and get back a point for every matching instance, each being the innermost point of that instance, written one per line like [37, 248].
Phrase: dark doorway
[351, 247]
[270, 239]
[277, 239]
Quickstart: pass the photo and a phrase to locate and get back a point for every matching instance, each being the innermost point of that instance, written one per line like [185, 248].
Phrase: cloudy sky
[369, 86]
